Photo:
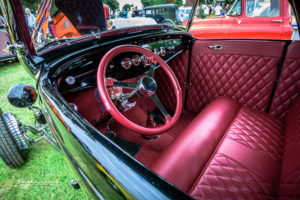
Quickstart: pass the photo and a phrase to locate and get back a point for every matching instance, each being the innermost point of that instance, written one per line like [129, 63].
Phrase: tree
[113, 4]
[127, 7]
[154, 2]
[178, 2]
[31, 4]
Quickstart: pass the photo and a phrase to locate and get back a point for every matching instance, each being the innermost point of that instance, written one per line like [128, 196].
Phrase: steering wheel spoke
[160, 106]
[123, 84]
[152, 69]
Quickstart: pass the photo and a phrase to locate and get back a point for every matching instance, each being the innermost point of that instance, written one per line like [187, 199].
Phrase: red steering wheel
[145, 86]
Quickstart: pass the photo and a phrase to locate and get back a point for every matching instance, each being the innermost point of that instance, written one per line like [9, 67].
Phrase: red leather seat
[234, 152]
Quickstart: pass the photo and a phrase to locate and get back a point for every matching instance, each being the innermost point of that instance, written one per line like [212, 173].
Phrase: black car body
[104, 169]
[163, 14]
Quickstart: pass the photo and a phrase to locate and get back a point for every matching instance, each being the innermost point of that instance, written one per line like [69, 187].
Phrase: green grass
[45, 174]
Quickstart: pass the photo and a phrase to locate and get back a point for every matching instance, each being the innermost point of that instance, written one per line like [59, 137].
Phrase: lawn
[45, 174]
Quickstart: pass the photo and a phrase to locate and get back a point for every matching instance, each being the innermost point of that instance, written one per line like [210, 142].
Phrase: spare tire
[12, 144]
[168, 22]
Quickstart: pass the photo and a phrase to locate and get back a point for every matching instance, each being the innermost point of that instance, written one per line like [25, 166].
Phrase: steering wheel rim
[111, 108]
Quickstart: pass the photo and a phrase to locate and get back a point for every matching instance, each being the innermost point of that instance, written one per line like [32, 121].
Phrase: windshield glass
[236, 8]
[60, 20]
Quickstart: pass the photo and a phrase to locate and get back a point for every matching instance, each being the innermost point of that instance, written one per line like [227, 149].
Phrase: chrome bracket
[16, 49]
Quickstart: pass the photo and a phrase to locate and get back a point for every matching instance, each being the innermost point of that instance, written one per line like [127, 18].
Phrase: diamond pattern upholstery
[230, 176]
[290, 172]
[259, 132]
[288, 88]
[225, 178]
[245, 75]
[165, 89]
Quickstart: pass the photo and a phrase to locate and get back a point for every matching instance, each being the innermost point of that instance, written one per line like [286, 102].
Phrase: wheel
[145, 86]
[12, 144]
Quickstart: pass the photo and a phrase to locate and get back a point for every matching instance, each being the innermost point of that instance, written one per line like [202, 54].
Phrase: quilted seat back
[242, 70]
[288, 88]
[165, 90]
[290, 172]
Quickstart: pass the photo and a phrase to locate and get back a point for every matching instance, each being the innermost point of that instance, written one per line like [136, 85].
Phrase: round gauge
[136, 60]
[126, 63]
[70, 80]
[156, 52]
[163, 51]
[146, 60]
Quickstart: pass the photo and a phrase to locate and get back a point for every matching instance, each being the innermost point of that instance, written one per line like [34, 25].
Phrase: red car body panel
[243, 26]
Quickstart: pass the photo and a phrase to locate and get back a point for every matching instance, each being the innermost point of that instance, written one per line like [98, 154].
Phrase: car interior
[238, 133]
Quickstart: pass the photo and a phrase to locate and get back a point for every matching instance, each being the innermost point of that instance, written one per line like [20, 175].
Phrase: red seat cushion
[247, 163]
[189, 153]
[227, 151]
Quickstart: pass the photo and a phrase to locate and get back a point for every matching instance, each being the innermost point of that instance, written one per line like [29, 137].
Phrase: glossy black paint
[22, 95]
[86, 16]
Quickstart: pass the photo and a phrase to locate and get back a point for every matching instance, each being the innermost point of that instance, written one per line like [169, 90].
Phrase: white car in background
[132, 21]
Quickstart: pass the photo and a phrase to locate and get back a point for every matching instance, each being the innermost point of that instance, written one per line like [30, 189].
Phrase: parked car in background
[106, 11]
[270, 19]
[163, 14]
[183, 13]
[4, 42]
[124, 19]
[132, 21]
[122, 14]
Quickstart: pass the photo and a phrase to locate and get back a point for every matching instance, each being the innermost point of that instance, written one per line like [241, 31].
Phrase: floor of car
[149, 149]
[146, 151]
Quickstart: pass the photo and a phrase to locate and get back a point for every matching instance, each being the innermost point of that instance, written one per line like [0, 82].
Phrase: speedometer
[126, 63]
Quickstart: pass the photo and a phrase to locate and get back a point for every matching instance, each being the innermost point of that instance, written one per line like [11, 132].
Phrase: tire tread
[9, 151]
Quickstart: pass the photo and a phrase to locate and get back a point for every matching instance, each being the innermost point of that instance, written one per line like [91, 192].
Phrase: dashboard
[129, 65]
[82, 70]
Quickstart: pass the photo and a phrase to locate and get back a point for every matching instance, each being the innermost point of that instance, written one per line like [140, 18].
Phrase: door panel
[242, 70]
[288, 88]
[165, 90]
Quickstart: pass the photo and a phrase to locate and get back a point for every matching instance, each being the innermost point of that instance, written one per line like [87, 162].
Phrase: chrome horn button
[147, 86]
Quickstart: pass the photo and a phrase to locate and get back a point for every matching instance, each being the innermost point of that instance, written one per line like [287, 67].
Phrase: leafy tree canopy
[113, 4]
[31, 4]
[159, 2]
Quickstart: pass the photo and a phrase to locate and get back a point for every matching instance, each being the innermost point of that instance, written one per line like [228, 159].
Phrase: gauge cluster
[164, 48]
[128, 65]
[135, 61]
[131, 64]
